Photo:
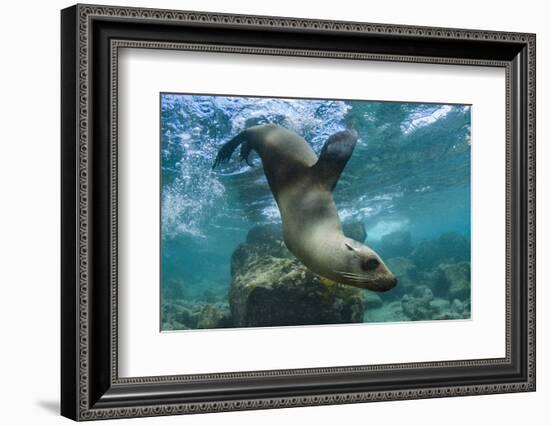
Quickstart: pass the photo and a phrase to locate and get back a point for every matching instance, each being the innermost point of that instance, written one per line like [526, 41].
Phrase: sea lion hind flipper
[225, 152]
[334, 156]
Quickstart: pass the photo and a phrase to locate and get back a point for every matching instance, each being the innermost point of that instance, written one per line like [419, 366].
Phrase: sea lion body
[302, 186]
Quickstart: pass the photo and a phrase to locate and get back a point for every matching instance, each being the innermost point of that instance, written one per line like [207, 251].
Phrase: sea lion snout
[386, 280]
[387, 284]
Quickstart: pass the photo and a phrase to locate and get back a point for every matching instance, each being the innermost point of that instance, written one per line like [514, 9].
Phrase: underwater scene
[293, 211]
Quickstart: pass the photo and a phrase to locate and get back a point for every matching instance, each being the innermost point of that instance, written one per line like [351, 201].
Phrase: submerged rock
[440, 305]
[447, 315]
[267, 290]
[422, 305]
[210, 296]
[174, 289]
[183, 315]
[395, 244]
[455, 246]
[460, 282]
[457, 306]
[371, 300]
[450, 247]
[388, 312]
[247, 253]
[416, 306]
[453, 280]
[193, 314]
[455, 310]
[212, 316]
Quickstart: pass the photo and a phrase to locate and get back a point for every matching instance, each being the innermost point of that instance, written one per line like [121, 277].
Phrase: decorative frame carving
[91, 388]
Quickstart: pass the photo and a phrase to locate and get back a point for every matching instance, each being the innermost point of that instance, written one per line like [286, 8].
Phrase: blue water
[409, 172]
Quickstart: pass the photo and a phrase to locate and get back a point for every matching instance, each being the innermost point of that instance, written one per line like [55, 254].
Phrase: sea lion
[302, 185]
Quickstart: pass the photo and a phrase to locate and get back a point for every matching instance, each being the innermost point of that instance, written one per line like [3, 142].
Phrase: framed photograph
[263, 212]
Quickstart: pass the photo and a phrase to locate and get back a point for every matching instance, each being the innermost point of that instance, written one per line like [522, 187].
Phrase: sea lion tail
[225, 152]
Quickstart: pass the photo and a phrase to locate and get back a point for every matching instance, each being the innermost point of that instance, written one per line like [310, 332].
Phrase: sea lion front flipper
[334, 157]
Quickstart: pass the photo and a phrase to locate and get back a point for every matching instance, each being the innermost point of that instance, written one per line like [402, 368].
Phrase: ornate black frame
[90, 386]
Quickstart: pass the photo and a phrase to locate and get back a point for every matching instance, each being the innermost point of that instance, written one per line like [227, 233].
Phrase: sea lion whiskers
[353, 277]
[362, 282]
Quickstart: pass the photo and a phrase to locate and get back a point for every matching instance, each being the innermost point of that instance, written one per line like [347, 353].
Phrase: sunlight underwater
[405, 192]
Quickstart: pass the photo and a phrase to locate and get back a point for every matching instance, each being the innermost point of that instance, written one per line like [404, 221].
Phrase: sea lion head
[364, 268]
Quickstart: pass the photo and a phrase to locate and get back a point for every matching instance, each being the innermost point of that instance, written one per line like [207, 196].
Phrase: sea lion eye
[370, 264]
